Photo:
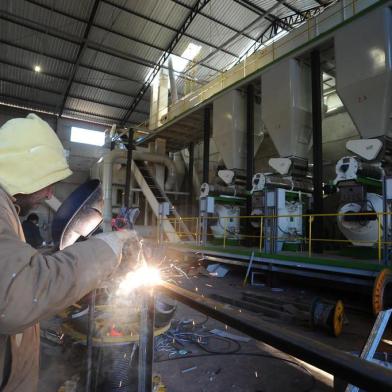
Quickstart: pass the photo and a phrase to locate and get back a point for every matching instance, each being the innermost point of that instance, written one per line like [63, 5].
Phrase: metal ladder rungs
[373, 341]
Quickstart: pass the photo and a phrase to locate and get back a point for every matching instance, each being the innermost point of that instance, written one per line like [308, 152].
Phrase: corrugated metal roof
[74, 7]
[40, 80]
[29, 60]
[52, 19]
[126, 39]
[230, 13]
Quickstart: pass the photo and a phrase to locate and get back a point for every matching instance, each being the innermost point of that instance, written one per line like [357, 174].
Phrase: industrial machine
[227, 196]
[360, 184]
[367, 96]
[287, 195]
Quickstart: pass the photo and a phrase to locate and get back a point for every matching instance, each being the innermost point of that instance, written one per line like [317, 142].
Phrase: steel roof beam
[292, 8]
[200, 4]
[44, 29]
[54, 57]
[99, 26]
[271, 31]
[155, 21]
[70, 62]
[178, 2]
[46, 107]
[81, 51]
[73, 96]
[262, 12]
[235, 36]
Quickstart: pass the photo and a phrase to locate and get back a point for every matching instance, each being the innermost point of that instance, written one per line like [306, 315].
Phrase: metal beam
[52, 109]
[157, 22]
[146, 340]
[359, 372]
[292, 8]
[316, 79]
[206, 144]
[178, 2]
[56, 92]
[46, 30]
[118, 33]
[293, 20]
[128, 171]
[299, 18]
[261, 12]
[191, 149]
[235, 36]
[250, 148]
[81, 51]
[62, 78]
[200, 4]
[92, 68]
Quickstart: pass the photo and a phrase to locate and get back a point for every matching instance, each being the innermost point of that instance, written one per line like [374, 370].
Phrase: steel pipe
[89, 339]
[146, 341]
[354, 370]
[290, 184]
[214, 189]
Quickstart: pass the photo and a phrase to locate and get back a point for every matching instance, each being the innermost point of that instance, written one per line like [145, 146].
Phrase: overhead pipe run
[260, 181]
[173, 86]
[128, 170]
[121, 155]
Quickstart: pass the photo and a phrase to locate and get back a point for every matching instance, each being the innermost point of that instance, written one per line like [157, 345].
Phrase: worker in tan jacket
[34, 286]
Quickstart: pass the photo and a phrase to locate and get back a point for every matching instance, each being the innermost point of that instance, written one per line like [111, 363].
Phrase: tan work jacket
[34, 286]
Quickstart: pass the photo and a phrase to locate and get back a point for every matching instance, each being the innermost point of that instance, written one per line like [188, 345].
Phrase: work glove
[117, 241]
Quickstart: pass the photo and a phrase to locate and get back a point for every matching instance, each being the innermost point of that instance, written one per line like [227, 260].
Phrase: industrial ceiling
[94, 60]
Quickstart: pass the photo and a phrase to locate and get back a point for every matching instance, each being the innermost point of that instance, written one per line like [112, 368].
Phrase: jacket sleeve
[34, 286]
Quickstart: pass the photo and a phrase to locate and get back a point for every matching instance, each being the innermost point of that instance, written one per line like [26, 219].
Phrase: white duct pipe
[173, 86]
[162, 160]
[121, 155]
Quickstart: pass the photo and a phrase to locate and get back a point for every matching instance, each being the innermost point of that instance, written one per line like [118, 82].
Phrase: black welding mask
[79, 215]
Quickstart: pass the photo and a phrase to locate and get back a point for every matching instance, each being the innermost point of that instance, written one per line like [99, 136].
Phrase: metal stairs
[155, 195]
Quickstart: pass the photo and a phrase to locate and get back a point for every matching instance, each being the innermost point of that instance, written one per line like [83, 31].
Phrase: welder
[34, 286]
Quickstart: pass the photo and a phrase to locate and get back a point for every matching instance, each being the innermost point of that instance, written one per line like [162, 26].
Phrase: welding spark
[144, 276]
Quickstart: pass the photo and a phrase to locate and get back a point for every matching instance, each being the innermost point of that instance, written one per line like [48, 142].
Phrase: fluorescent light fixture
[37, 68]
[87, 136]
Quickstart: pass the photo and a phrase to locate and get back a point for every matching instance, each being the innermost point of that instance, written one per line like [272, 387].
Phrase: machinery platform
[325, 267]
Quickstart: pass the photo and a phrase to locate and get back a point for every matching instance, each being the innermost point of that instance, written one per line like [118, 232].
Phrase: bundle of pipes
[209, 189]
[261, 181]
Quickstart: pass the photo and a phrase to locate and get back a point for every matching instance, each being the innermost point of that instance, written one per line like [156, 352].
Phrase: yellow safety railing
[304, 34]
[260, 236]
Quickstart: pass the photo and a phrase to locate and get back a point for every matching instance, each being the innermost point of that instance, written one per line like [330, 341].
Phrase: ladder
[373, 340]
[155, 195]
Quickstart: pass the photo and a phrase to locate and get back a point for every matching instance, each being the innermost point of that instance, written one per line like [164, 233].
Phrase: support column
[128, 172]
[206, 144]
[250, 146]
[146, 340]
[163, 96]
[191, 150]
[154, 93]
[317, 147]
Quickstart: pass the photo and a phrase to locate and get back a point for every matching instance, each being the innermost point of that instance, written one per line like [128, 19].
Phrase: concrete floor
[234, 372]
